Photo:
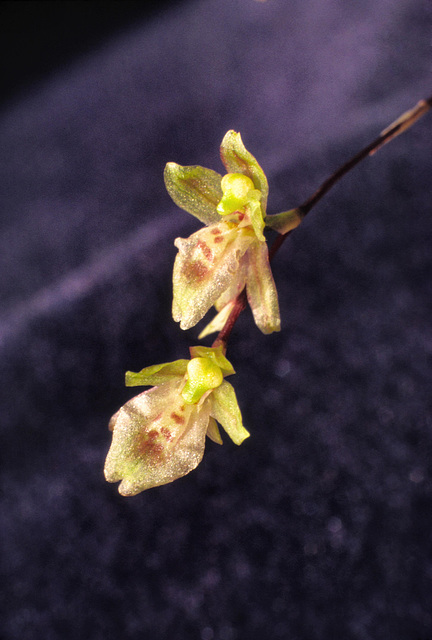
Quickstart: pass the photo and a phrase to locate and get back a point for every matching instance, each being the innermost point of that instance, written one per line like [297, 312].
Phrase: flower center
[202, 375]
[235, 189]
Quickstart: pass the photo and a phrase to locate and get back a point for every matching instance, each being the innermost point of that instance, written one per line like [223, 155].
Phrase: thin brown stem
[404, 122]
[239, 306]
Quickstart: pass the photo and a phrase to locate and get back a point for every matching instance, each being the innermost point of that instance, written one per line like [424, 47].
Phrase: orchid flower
[159, 435]
[214, 264]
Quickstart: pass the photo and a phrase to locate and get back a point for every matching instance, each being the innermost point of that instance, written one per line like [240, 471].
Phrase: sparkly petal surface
[204, 268]
[157, 438]
[235, 287]
[157, 374]
[195, 189]
[261, 289]
[226, 411]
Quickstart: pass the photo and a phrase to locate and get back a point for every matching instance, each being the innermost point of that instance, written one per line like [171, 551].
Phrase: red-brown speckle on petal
[195, 271]
[147, 447]
[179, 419]
[207, 252]
[166, 433]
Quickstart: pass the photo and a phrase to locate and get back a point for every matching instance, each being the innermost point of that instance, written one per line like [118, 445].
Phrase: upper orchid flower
[215, 263]
[159, 435]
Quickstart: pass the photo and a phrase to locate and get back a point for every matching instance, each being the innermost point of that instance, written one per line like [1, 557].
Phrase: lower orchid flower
[159, 435]
[215, 263]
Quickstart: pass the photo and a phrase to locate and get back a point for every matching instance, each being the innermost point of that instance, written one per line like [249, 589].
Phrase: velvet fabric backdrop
[320, 525]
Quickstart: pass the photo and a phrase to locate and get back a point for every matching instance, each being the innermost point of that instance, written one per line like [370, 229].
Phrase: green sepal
[216, 355]
[156, 374]
[285, 221]
[237, 159]
[255, 214]
[195, 189]
[225, 410]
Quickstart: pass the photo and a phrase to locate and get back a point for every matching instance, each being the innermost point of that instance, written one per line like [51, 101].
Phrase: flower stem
[239, 306]
[404, 122]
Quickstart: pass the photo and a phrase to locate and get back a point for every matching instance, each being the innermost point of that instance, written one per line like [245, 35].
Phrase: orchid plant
[159, 435]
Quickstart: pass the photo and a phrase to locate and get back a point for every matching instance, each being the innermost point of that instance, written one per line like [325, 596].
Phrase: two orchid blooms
[159, 435]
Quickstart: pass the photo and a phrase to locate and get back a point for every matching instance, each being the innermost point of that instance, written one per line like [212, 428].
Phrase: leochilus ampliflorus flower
[214, 264]
[159, 435]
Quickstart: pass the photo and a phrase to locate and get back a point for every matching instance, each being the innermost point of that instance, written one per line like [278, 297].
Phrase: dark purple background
[319, 526]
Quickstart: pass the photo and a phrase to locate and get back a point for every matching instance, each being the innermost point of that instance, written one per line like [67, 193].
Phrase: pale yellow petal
[261, 289]
[157, 438]
[204, 267]
[236, 286]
